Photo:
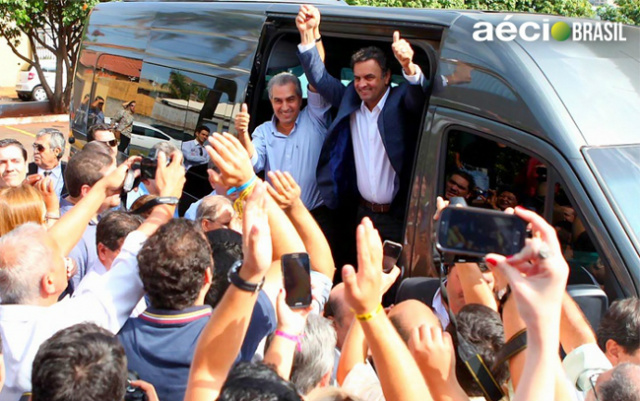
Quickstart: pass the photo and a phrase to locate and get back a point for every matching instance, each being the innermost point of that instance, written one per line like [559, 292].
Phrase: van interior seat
[421, 288]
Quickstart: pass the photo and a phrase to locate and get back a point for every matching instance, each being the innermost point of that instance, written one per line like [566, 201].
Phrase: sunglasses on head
[39, 147]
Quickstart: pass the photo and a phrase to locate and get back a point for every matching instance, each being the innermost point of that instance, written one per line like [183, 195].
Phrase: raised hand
[113, 182]
[308, 18]
[256, 236]
[403, 53]
[48, 192]
[283, 189]
[362, 289]
[289, 320]
[231, 158]
[242, 120]
[538, 273]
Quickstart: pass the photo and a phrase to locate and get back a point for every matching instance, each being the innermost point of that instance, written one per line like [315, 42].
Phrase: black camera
[134, 393]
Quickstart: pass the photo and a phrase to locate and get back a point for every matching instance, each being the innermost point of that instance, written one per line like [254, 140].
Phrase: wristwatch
[234, 278]
[161, 200]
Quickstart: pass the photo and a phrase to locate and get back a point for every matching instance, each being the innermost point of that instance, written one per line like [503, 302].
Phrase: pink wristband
[296, 339]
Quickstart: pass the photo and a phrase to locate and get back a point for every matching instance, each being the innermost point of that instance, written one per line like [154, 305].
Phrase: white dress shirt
[375, 176]
[108, 304]
[56, 177]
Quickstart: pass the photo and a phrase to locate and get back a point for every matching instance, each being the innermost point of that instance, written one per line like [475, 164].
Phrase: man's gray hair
[212, 206]
[282, 79]
[316, 356]
[56, 140]
[24, 259]
[624, 384]
[166, 147]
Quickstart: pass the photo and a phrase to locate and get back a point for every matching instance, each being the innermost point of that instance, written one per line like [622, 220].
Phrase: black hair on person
[84, 169]
[621, 324]
[203, 128]
[79, 363]
[91, 132]
[468, 177]
[226, 246]
[6, 142]
[482, 327]
[115, 226]
[172, 264]
[370, 53]
[256, 382]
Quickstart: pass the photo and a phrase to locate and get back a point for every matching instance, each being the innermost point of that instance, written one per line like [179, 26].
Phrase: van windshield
[618, 171]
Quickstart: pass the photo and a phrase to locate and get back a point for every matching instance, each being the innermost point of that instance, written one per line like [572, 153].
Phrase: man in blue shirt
[291, 141]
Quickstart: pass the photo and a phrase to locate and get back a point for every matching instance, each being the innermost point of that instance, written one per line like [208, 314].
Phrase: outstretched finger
[278, 197]
[396, 36]
[350, 282]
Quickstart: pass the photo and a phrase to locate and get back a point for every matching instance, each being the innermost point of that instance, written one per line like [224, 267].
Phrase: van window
[116, 81]
[492, 175]
[82, 92]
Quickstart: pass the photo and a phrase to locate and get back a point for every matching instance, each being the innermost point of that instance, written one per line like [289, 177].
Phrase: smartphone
[390, 254]
[296, 272]
[476, 232]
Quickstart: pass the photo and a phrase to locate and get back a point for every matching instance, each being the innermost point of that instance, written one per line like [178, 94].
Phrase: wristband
[238, 204]
[243, 186]
[319, 39]
[296, 339]
[370, 315]
[234, 278]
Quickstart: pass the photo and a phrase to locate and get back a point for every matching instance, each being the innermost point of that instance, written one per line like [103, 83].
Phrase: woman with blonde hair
[35, 203]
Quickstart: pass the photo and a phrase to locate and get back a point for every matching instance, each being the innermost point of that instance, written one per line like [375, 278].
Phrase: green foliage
[627, 11]
[569, 8]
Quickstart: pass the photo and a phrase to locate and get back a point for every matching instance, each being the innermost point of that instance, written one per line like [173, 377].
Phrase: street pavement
[26, 134]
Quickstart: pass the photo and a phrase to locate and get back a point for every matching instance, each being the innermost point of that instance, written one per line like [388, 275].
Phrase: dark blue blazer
[398, 125]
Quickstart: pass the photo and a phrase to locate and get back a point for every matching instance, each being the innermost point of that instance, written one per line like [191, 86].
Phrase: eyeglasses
[112, 142]
[39, 148]
[593, 380]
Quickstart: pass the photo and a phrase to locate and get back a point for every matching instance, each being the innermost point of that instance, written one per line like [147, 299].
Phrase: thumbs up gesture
[242, 120]
[404, 53]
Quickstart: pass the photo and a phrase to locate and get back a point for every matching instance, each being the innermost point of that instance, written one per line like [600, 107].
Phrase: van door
[496, 166]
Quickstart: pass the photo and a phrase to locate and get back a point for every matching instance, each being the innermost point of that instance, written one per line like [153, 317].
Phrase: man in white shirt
[194, 151]
[33, 275]
[48, 150]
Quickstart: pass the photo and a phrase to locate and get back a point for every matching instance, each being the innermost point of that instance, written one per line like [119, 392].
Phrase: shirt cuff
[303, 48]
[415, 79]
[314, 99]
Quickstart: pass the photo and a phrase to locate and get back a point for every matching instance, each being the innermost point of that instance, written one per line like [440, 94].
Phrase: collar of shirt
[440, 309]
[56, 172]
[378, 107]
[187, 315]
[274, 126]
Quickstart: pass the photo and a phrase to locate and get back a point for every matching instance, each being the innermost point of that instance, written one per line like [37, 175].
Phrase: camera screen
[297, 279]
[472, 232]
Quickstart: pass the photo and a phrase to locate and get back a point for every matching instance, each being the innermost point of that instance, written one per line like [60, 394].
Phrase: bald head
[411, 314]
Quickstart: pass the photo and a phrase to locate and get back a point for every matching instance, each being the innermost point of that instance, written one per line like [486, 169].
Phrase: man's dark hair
[256, 382]
[226, 246]
[84, 169]
[621, 324]
[466, 176]
[481, 326]
[370, 53]
[115, 226]
[173, 262]
[91, 132]
[623, 384]
[203, 128]
[6, 142]
[79, 363]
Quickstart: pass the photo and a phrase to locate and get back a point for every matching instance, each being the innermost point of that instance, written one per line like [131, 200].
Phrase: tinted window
[116, 81]
[81, 100]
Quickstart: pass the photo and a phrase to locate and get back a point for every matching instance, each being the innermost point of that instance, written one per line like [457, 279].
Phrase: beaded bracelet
[297, 339]
[370, 315]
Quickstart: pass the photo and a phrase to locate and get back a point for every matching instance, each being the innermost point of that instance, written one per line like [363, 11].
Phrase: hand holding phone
[296, 273]
[391, 253]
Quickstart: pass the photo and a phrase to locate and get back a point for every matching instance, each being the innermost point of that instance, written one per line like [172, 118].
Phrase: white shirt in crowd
[108, 303]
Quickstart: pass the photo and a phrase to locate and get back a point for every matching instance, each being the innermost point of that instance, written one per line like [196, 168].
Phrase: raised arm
[311, 55]
[242, 126]
[396, 367]
[222, 337]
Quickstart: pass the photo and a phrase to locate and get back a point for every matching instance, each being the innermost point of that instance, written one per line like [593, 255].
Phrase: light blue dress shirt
[297, 152]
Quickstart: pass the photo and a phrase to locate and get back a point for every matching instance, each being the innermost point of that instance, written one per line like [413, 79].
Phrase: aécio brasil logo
[585, 31]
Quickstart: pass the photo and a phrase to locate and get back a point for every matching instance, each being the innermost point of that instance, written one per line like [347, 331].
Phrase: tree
[627, 11]
[57, 26]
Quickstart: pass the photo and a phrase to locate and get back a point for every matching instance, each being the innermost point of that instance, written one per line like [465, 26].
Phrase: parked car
[28, 85]
[559, 118]
[144, 136]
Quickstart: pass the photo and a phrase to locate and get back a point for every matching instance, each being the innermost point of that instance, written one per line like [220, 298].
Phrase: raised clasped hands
[308, 18]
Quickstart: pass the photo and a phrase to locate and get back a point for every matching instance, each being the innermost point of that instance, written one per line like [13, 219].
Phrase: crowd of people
[111, 297]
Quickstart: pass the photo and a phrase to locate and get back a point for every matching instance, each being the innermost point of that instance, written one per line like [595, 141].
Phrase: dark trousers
[124, 142]
[388, 225]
